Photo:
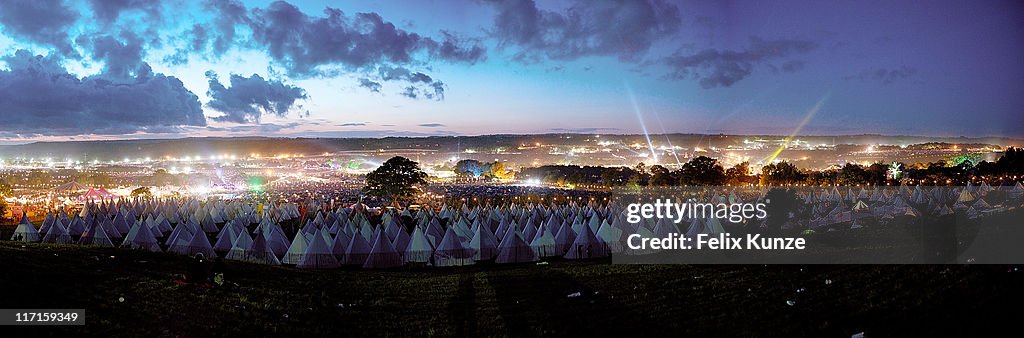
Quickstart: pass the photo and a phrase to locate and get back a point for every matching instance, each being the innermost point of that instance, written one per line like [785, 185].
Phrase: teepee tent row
[319, 237]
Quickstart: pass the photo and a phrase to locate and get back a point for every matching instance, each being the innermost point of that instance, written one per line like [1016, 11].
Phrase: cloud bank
[723, 68]
[249, 98]
[41, 98]
[625, 29]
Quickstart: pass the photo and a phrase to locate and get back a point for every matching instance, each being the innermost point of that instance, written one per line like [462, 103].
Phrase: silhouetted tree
[852, 174]
[1012, 161]
[395, 179]
[702, 170]
[739, 174]
[661, 176]
[781, 173]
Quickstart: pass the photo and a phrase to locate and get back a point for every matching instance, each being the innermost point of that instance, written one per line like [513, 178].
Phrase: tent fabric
[450, 251]
[26, 232]
[382, 254]
[318, 255]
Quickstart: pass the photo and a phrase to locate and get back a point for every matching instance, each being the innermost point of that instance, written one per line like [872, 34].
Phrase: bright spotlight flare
[667, 139]
[639, 117]
[810, 114]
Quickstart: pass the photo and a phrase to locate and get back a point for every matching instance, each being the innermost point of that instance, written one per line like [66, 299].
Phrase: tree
[1012, 161]
[876, 173]
[142, 191]
[470, 168]
[702, 170]
[395, 179]
[852, 174]
[661, 176]
[781, 173]
[739, 174]
[498, 171]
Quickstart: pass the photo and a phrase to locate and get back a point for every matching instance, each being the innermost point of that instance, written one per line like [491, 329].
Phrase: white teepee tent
[26, 232]
[514, 250]
[450, 251]
[382, 254]
[419, 249]
[140, 237]
[318, 255]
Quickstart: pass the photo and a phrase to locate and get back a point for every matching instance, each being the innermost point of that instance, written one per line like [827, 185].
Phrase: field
[136, 294]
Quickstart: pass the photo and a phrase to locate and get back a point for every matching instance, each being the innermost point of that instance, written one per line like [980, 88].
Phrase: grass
[517, 300]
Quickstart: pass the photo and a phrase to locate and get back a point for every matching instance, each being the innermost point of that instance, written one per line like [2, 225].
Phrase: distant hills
[268, 146]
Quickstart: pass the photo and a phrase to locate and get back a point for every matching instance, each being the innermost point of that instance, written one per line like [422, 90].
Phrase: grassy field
[135, 293]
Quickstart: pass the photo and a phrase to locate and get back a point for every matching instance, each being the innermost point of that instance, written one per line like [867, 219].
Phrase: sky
[126, 69]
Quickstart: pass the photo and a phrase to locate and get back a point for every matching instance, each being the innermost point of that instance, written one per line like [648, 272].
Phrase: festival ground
[137, 293]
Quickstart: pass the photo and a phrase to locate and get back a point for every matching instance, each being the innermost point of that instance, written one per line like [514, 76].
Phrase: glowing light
[810, 114]
[639, 117]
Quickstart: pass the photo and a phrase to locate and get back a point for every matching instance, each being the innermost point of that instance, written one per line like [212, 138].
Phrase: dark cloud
[884, 75]
[319, 45]
[723, 68]
[196, 39]
[228, 15]
[625, 29]
[373, 86]
[432, 125]
[438, 88]
[584, 130]
[352, 124]
[122, 60]
[456, 48]
[44, 22]
[419, 84]
[410, 92]
[249, 98]
[41, 98]
[108, 11]
[199, 36]
[389, 73]
[335, 42]
[420, 77]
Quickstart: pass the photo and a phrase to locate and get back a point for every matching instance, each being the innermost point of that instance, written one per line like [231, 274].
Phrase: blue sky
[147, 69]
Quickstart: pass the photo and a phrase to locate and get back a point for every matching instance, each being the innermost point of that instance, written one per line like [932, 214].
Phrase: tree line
[706, 171]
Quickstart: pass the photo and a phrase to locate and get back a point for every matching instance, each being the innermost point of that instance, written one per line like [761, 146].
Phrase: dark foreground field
[135, 293]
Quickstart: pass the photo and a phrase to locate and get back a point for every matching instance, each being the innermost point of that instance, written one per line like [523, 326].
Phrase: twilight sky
[112, 69]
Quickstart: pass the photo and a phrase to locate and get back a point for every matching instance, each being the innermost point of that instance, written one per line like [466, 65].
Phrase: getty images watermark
[815, 225]
[666, 209]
